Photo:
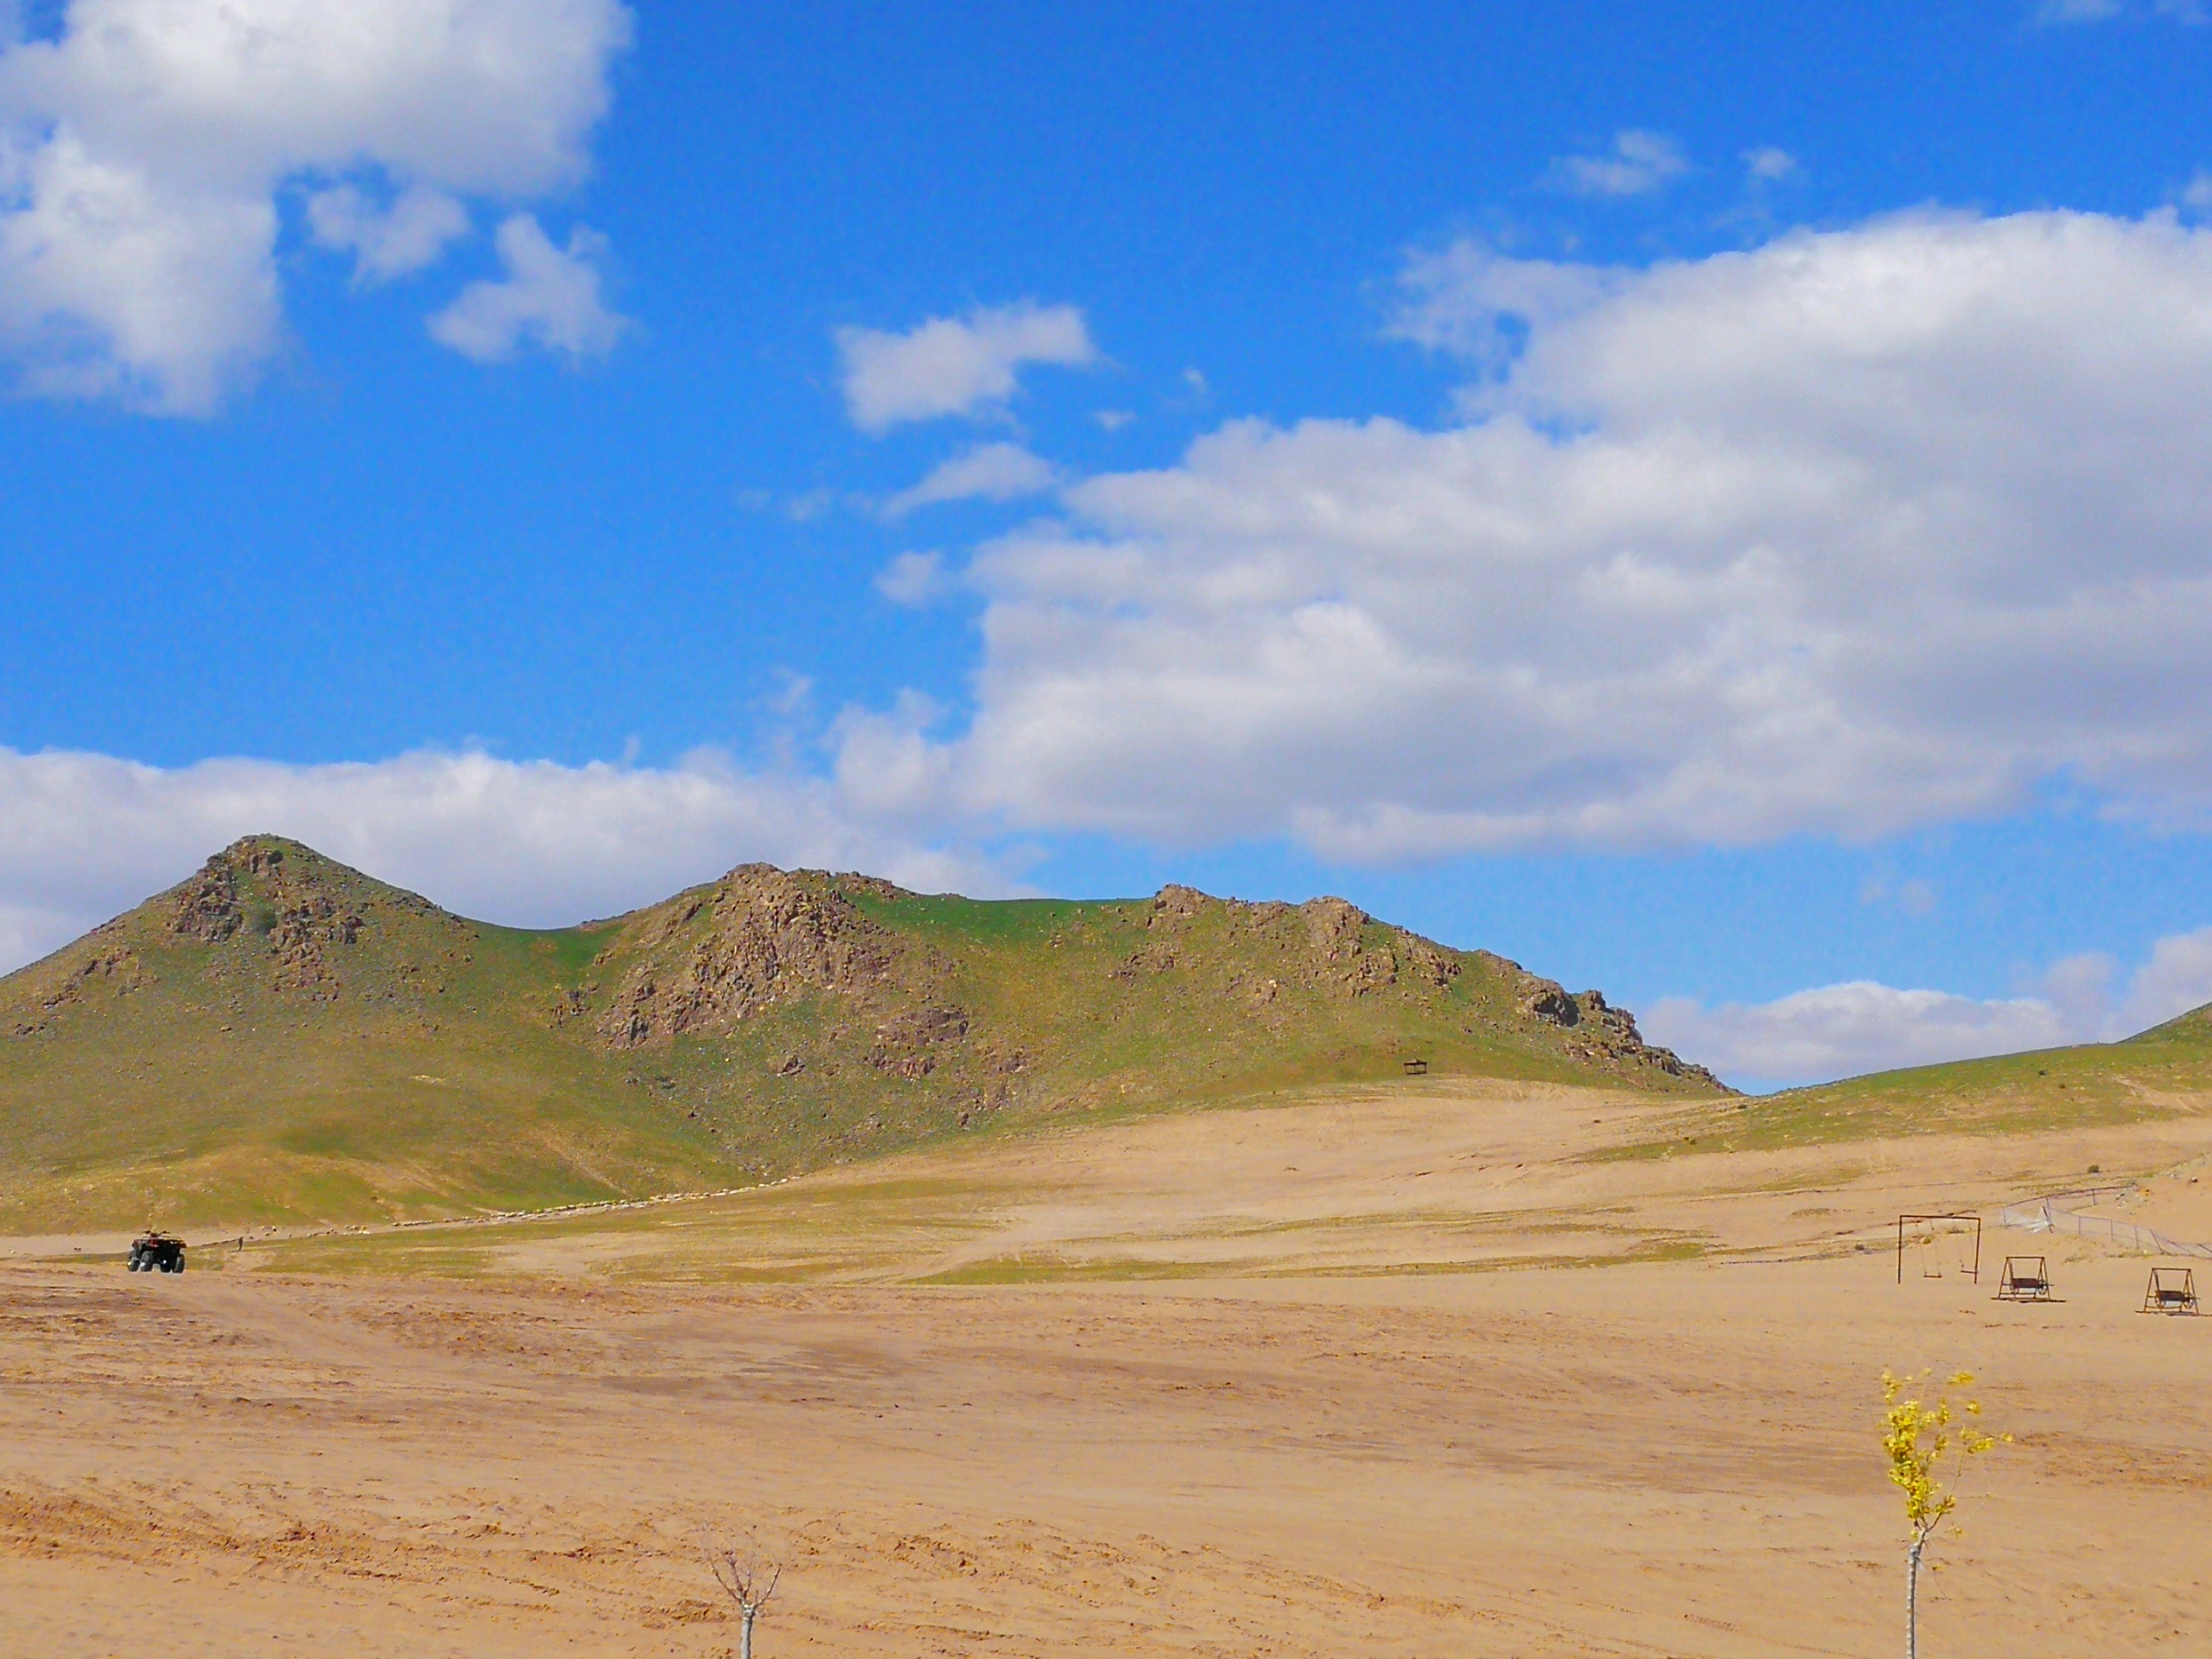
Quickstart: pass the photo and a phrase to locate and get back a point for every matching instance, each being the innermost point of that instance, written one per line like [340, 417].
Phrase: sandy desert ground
[1437, 1372]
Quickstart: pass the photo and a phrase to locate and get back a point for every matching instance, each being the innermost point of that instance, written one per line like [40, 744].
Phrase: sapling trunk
[1912, 1599]
[745, 1632]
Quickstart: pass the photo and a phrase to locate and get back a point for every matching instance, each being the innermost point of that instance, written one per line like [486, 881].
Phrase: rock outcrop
[283, 898]
[720, 954]
[1605, 1030]
[1335, 945]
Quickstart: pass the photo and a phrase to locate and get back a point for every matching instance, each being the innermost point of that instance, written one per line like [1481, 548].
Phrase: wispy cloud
[1768, 165]
[549, 297]
[1640, 160]
[955, 365]
[991, 472]
[2058, 13]
[395, 240]
[912, 579]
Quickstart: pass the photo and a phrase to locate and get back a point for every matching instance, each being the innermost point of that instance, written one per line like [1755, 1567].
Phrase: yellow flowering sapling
[1927, 1446]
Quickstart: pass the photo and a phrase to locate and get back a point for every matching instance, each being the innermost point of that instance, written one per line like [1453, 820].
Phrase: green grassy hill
[280, 1038]
[2163, 1072]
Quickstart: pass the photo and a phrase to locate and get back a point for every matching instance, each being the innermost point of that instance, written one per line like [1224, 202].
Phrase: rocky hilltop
[714, 956]
[280, 1031]
[284, 919]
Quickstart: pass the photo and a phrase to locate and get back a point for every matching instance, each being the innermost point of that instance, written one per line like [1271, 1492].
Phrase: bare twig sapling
[748, 1577]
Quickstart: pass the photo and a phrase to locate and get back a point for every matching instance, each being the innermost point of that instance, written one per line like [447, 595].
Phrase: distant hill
[2165, 1072]
[282, 1038]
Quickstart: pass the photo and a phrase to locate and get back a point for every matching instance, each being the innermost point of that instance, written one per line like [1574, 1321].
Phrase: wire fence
[2053, 1215]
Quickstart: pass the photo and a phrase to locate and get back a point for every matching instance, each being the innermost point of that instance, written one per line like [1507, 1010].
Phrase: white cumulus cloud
[955, 365]
[83, 836]
[550, 298]
[1638, 162]
[1854, 532]
[991, 472]
[145, 146]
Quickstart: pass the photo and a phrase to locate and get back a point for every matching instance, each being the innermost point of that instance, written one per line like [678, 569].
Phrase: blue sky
[1710, 505]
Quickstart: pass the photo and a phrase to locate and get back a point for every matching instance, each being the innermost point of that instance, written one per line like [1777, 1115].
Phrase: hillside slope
[280, 1038]
[2162, 1074]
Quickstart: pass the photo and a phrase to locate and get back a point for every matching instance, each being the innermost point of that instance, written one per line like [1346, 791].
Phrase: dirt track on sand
[1657, 1458]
